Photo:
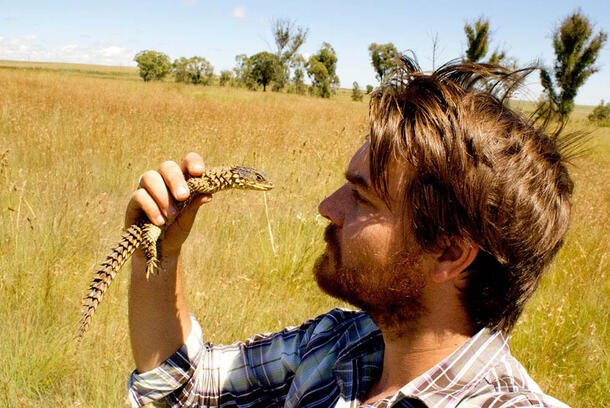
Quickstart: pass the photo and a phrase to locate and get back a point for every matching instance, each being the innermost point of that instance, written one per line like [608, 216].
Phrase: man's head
[454, 164]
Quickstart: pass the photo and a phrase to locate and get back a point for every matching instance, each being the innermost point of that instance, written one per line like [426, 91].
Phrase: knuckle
[139, 195]
[192, 156]
[167, 166]
[148, 174]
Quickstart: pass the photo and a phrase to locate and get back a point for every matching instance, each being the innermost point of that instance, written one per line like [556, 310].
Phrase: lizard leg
[150, 236]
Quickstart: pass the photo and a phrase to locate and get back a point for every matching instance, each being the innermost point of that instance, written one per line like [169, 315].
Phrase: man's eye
[358, 197]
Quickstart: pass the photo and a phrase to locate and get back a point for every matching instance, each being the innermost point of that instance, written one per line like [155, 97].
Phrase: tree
[434, 39]
[383, 58]
[356, 92]
[576, 50]
[478, 38]
[200, 71]
[601, 114]
[195, 70]
[369, 89]
[242, 70]
[298, 83]
[288, 39]
[264, 66]
[226, 76]
[153, 65]
[321, 69]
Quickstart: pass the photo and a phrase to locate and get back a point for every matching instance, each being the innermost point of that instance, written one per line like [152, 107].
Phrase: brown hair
[481, 171]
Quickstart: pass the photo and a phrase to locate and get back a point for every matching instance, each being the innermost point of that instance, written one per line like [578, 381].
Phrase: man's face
[369, 261]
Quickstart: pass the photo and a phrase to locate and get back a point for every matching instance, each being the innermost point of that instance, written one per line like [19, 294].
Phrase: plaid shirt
[332, 361]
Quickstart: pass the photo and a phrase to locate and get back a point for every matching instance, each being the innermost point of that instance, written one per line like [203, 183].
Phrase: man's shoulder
[338, 325]
[340, 318]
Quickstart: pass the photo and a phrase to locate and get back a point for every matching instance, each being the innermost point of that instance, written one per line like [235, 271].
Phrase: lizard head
[251, 179]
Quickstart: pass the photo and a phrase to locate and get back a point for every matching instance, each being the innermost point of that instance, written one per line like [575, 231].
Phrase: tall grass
[71, 150]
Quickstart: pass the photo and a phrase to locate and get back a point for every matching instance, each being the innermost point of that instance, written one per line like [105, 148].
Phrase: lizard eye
[259, 178]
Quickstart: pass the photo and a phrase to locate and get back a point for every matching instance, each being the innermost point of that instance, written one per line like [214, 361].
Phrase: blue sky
[111, 32]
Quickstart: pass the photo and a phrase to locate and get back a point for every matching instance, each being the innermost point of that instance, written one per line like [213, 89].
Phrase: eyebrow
[357, 180]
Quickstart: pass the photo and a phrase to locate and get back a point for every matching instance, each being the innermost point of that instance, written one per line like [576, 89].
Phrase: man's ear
[454, 259]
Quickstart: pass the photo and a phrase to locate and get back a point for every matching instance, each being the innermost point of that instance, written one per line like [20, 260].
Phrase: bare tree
[288, 38]
[434, 49]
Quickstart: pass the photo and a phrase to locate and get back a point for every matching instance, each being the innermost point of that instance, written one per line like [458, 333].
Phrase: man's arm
[159, 321]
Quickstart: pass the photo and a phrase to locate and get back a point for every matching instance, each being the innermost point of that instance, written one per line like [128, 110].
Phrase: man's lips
[330, 237]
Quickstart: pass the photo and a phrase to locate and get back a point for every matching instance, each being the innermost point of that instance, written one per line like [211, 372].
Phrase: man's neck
[413, 349]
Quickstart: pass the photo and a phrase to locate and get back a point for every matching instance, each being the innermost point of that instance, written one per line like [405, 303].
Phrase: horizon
[112, 33]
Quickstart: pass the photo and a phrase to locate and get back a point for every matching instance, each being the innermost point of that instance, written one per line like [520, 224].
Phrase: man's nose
[333, 206]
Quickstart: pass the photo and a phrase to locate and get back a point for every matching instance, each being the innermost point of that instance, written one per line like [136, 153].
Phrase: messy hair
[481, 172]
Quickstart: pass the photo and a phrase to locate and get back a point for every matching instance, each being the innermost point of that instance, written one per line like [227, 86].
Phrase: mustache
[330, 235]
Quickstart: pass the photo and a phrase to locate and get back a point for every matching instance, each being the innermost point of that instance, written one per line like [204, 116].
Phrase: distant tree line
[575, 45]
[283, 70]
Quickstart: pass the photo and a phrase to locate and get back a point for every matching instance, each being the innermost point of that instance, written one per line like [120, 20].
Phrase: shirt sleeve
[257, 372]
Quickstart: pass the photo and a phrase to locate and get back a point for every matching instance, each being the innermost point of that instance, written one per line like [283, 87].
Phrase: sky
[112, 32]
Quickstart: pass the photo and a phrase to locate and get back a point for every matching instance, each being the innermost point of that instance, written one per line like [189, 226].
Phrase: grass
[72, 145]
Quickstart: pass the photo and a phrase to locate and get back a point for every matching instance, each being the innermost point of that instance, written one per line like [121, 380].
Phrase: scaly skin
[147, 236]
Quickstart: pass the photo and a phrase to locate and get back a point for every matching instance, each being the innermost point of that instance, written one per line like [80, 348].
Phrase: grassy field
[73, 141]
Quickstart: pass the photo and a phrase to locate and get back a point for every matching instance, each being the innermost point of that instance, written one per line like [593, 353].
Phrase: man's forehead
[359, 164]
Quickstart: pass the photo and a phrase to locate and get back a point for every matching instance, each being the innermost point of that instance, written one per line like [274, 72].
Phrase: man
[451, 210]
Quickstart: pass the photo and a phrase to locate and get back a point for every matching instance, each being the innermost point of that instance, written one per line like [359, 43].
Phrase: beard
[390, 293]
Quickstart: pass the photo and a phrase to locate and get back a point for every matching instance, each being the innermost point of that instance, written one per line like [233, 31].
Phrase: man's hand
[159, 321]
[155, 198]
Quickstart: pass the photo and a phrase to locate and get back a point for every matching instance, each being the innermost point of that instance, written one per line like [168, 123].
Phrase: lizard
[147, 236]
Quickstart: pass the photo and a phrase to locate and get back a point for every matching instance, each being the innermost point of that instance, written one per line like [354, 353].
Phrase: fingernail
[197, 167]
[160, 220]
[182, 191]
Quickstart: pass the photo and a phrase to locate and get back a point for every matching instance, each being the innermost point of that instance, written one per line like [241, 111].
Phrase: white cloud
[30, 37]
[1, 38]
[100, 53]
[189, 3]
[239, 12]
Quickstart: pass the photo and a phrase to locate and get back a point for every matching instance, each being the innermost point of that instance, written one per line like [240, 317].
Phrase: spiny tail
[130, 240]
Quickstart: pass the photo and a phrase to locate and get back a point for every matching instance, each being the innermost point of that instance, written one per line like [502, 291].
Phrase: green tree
[601, 114]
[153, 65]
[478, 38]
[477, 35]
[383, 58]
[288, 38]
[298, 84]
[369, 89]
[356, 92]
[321, 69]
[576, 50]
[195, 70]
[242, 70]
[226, 76]
[263, 68]
[298, 81]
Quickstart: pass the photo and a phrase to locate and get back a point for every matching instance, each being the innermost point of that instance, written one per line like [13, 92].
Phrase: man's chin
[325, 272]
[388, 307]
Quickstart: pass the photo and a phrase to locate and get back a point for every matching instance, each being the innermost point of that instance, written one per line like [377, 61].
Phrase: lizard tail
[130, 240]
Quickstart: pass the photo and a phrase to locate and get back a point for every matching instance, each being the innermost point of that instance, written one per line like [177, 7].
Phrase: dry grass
[71, 150]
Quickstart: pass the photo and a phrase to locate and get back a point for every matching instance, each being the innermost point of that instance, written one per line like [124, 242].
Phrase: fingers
[192, 164]
[158, 190]
[155, 185]
[174, 179]
[140, 202]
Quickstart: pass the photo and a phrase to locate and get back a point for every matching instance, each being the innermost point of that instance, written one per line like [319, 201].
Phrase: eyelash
[358, 197]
